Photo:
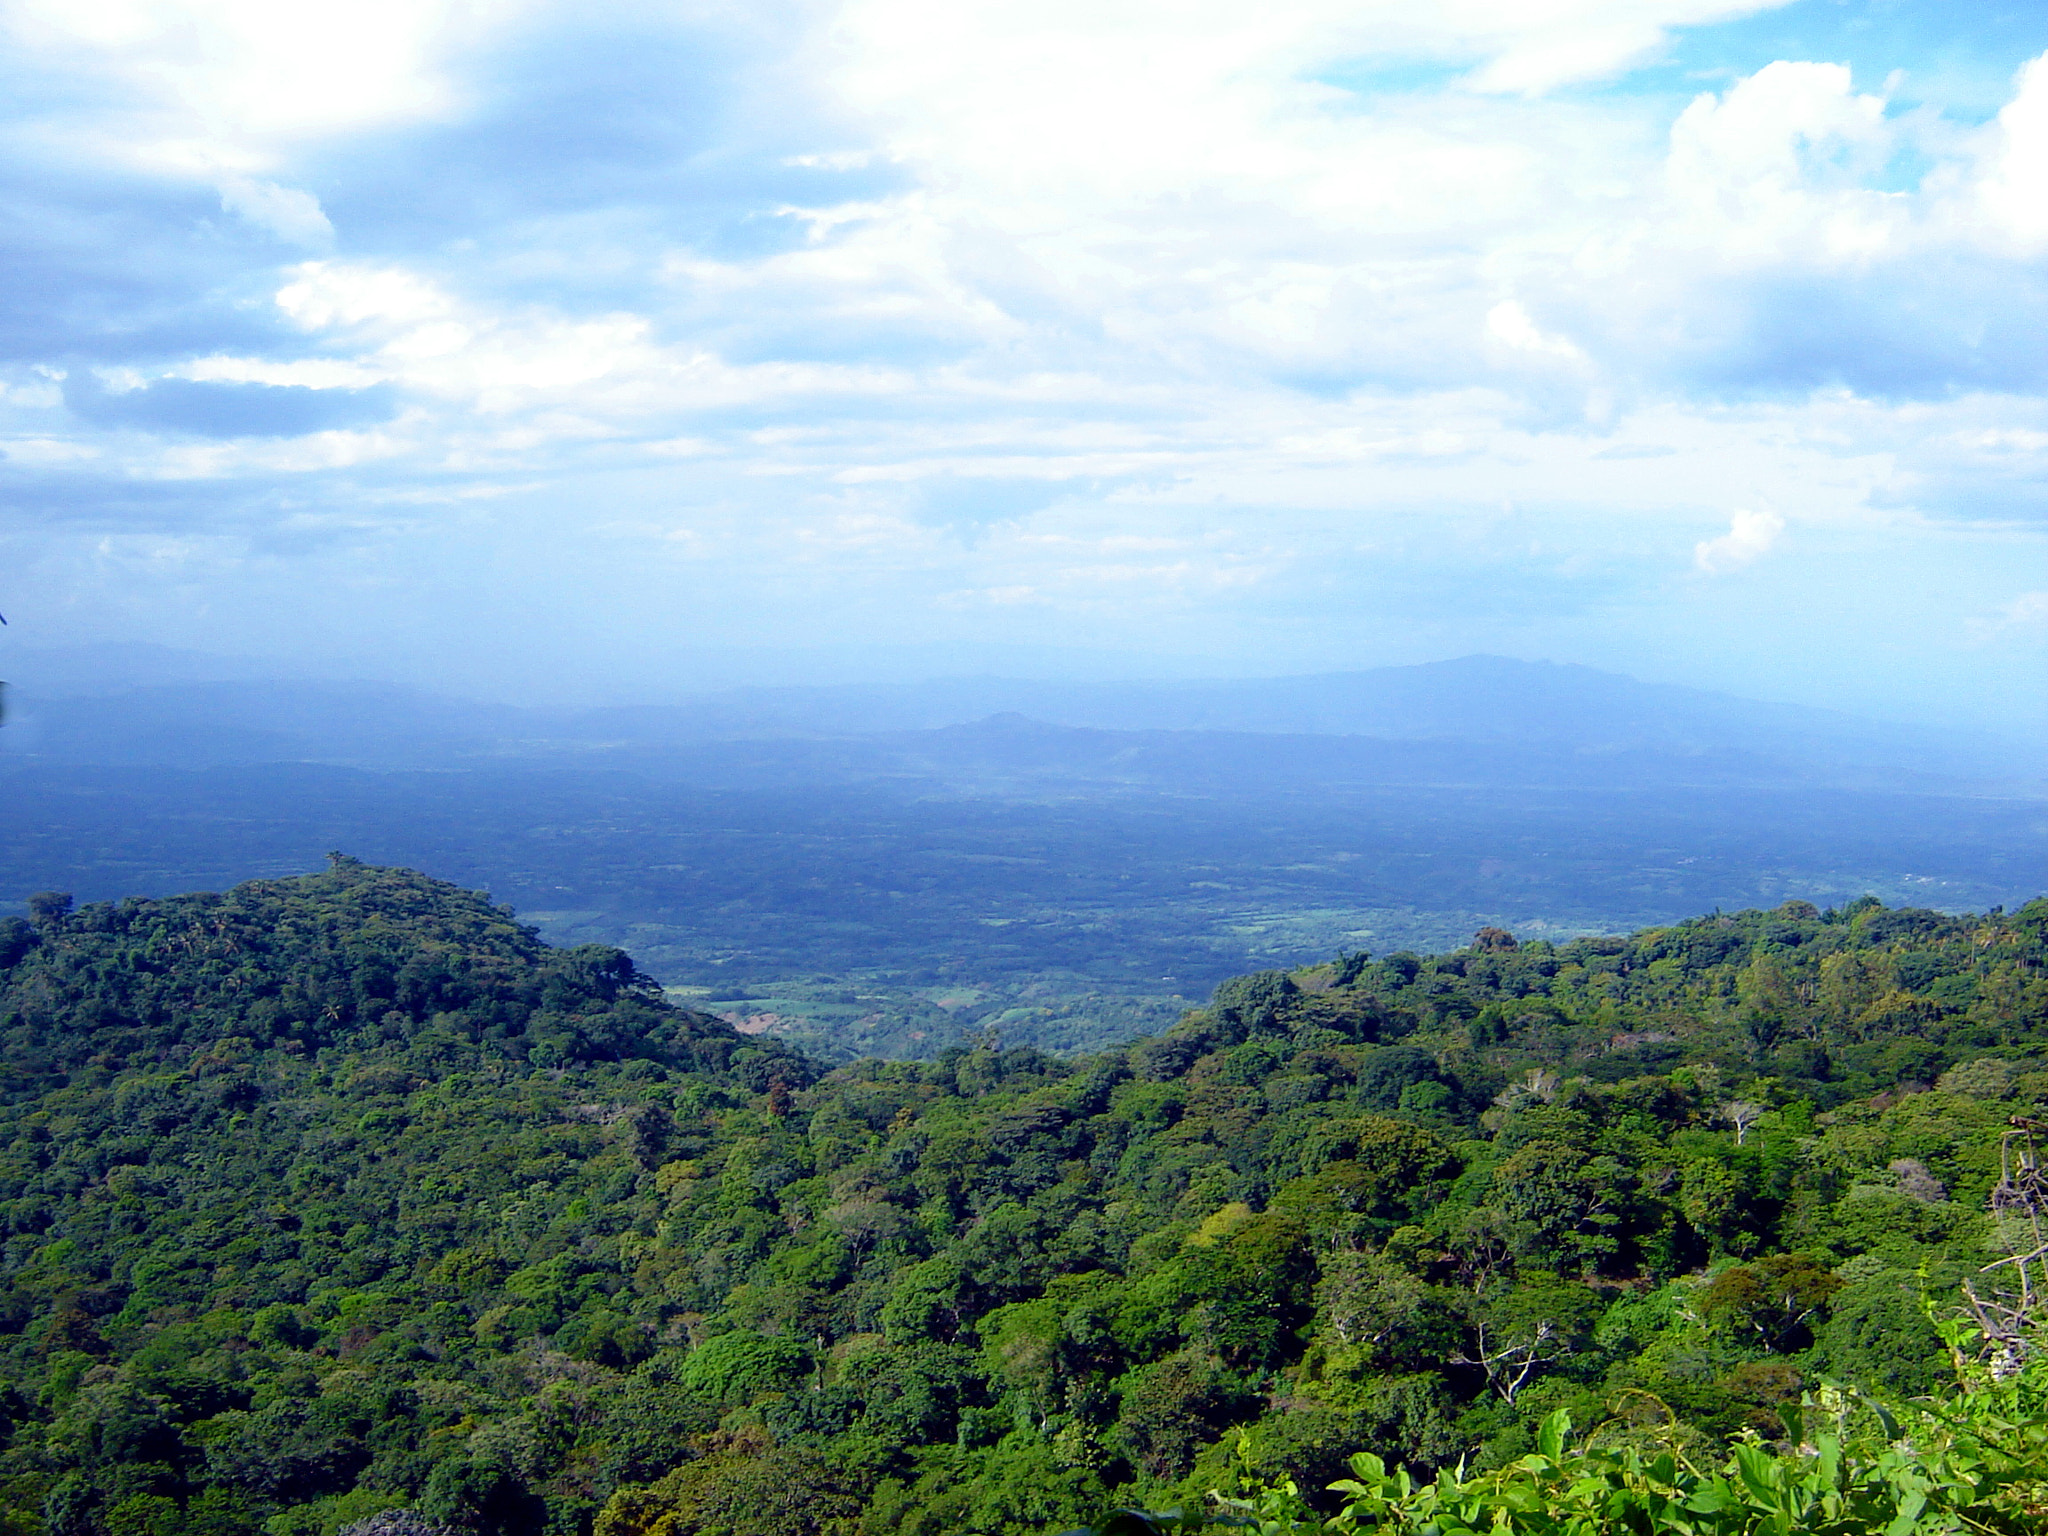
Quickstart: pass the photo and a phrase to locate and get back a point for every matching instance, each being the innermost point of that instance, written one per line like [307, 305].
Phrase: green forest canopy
[329, 1195]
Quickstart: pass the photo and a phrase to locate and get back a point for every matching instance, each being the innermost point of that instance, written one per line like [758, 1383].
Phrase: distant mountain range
[1479, 720]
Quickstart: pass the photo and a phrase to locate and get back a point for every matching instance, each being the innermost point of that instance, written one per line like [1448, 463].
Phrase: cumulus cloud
[2014, 185]
[1776, 168]
[1750, 536]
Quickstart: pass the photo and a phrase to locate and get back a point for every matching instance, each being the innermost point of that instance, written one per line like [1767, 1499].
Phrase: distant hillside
[1490, 699]
[340, 961]
[1498, 719]
[330, 1195]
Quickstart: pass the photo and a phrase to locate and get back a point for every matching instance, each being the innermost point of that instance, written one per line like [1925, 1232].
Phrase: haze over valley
[893, 868]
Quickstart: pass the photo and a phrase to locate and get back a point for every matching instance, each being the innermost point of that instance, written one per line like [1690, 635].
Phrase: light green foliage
[1850, 1466]
[735, 1367]
[1861, 1473]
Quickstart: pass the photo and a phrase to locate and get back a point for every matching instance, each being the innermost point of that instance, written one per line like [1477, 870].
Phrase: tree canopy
[341, 1195]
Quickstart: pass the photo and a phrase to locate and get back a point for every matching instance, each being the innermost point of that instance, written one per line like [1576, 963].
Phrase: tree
[744, 1485]
[49, 908]
[1774, 1300]
[1251, 1282]
[1741, 1114]
[1169, 1408]
[1513, 1336]
[1382, 1313]
[735, 1367]
[394, 1522]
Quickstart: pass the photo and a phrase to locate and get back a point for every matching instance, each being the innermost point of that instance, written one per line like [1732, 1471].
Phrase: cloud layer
[1303, 335]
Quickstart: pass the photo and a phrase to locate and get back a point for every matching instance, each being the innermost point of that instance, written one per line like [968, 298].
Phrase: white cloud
[37, 451]
[286, 212]
[2014, 184]
[1145, 252]
[1774, 168]
[326, 294]
[1537, 48]
[1750, 536]
[242, 71]
[303, 372]
[2027, 613]
[1508, 322]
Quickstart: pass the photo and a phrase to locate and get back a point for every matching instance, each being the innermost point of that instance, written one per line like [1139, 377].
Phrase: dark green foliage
[1878, 1333]
[334, 1197]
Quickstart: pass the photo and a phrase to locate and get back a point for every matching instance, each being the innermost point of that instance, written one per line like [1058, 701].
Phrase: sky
[551, 351]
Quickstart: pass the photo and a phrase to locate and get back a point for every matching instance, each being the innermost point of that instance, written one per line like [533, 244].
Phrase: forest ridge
[335, 1194]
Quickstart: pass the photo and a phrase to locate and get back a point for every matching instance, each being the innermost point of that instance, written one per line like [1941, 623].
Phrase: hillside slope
[340, 1193]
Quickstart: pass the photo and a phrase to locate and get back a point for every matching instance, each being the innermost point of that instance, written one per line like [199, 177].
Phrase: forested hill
[331, 1195]
[353, 959]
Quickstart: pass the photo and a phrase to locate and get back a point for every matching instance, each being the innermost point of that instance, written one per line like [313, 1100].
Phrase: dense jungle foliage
[330, 1195]
[1972, 1460]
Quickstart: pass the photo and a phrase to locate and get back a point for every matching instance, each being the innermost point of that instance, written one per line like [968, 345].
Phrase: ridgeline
[334, 1195]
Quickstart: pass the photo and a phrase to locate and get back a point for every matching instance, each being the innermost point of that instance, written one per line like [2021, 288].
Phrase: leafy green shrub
[736, 1367]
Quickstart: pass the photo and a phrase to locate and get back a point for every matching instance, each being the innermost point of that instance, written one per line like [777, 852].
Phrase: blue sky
[529, 350]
